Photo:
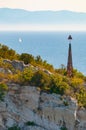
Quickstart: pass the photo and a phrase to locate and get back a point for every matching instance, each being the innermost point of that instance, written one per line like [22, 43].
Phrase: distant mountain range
[17, 16]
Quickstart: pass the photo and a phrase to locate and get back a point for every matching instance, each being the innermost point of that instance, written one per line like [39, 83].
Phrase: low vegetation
[35, 75]
[14, 128]
[3, 90]
[63, 128]
[30, 123]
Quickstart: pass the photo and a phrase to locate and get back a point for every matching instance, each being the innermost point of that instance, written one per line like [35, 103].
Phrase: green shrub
[7, 53]
[40, 79]
[65, 103]
[61, 70]
[63, 128]
[55, 81]
[14, 128]
[27, 58]
[30, 123]
[81, 97]
[59, 86]
[3, 89]
[26, 75]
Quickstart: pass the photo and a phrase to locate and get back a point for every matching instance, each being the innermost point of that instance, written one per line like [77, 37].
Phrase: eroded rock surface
[24, 104]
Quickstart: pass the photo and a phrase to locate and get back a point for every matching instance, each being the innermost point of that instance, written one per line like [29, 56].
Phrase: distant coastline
[18, 19]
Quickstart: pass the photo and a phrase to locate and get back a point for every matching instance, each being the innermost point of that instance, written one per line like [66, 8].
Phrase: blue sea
[51, 46]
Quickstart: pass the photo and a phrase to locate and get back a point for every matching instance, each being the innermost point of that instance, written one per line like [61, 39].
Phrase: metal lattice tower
[69, 63]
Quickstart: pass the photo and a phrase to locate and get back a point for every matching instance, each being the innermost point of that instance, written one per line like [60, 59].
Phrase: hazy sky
[73, 5]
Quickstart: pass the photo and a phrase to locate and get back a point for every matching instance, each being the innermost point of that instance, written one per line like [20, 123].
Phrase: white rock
[48, 111]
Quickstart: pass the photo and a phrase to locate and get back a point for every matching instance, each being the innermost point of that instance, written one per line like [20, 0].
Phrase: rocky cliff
[30, 109]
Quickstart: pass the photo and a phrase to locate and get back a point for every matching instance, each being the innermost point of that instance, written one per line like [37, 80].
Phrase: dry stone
[48, 111]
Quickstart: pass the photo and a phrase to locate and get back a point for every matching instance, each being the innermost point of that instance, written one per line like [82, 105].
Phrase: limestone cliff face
[24, 104]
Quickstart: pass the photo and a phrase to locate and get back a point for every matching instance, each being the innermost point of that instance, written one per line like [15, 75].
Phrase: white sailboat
[20, 40]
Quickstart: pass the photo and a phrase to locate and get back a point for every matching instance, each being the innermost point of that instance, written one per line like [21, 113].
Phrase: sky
[35, 5]
[43, 28]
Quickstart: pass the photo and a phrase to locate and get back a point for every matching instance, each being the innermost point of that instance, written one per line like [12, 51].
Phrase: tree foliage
[27, 58]
[7, 53]
[26, 76]
[40, 79]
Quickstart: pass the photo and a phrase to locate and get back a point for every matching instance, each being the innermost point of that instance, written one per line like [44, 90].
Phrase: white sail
[20, 40]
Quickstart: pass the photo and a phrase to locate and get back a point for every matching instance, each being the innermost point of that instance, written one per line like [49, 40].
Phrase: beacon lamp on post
[69, 63]
[69, 38]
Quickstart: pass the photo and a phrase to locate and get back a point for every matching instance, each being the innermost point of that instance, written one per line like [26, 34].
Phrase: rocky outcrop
[81, 122]
[43, 111]
[60, 111]
[18, 65]
[20, 106]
